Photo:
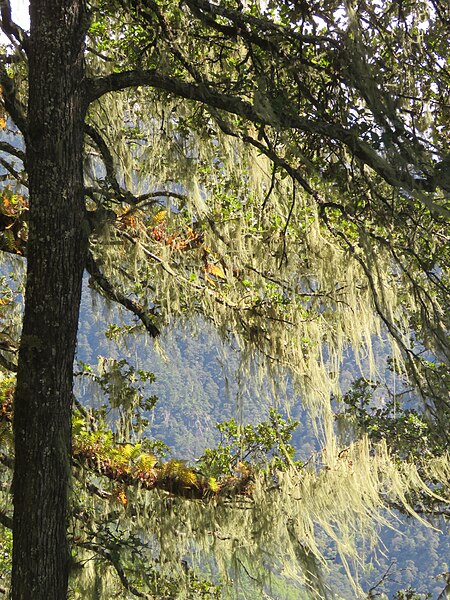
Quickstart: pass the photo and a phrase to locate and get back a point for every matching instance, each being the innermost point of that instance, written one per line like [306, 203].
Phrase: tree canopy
[282, 170]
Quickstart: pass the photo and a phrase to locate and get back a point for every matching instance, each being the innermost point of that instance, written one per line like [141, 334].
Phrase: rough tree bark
[56, 255]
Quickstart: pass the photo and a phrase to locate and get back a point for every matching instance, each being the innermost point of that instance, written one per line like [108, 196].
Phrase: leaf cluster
[247, 448]
[409, 433]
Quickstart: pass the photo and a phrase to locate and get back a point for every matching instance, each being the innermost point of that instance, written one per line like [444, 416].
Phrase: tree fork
[56, 255]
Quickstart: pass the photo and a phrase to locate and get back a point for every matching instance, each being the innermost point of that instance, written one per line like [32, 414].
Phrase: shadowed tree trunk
[56, 254]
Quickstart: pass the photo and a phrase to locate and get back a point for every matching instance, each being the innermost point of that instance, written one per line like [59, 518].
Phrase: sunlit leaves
[244, 448]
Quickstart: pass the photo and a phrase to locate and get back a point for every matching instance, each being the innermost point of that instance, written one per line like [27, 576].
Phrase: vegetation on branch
[250, 483]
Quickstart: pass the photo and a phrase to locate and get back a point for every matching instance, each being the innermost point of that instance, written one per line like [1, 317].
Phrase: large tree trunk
[55, 254]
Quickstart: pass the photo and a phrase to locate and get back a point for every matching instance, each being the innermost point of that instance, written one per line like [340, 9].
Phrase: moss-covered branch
[109, 291]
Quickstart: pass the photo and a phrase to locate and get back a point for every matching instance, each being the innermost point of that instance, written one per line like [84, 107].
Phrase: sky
[19, 10]
[20, 14]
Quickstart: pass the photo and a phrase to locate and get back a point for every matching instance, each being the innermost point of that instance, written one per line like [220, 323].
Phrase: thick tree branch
[5, 520]
[10, 149]
[173, 477]
[97, 87]
[181, 484]
[350, 137]
[7, 364]
[13, 106]
[11, 170]
[110, 292]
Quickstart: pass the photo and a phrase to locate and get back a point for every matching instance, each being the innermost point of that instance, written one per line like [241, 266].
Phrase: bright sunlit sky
[21, 17]
[20, 14]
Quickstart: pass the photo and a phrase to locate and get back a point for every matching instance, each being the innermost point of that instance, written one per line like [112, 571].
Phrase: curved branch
[108, 290]
[122, 194]
[241, 20]
[98, 86]
[6, 520]
[112, 559]
[13, 106]
[203, 92]
[10, 149]
[11, 170]
[107, 157]
[7, 364]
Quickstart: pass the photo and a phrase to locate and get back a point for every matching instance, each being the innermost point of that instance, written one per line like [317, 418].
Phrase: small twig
[5, 164]
[103, 494]
[384, 577]
[288, 220]
[246, 570]
[108, 555]
[272, 185]
[99, 54]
